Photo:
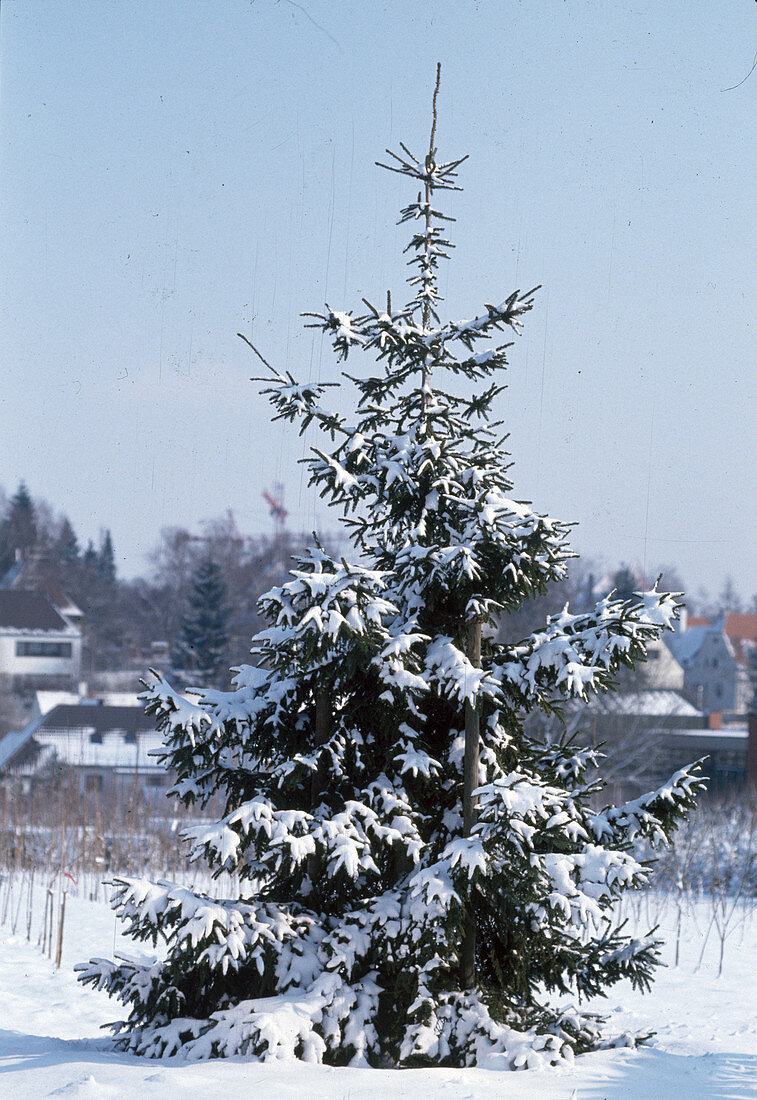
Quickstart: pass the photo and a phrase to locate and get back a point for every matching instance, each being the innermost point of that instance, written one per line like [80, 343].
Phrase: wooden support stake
[30, 907]
[61, 918]
[42, 941]
[50, 917]
[470, 782]
[18, 906]
[8, 895]
[322, 734]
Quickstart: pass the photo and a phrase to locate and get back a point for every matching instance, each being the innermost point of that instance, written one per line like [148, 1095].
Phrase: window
[43, 649]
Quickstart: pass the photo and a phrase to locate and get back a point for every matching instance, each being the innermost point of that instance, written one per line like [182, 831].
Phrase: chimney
[715, 720]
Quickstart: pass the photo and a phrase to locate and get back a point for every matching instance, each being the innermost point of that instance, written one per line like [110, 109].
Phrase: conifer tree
[416, 875]
[106, 560]
[67, 544]
[18, 530]
[89, 557]
[204, 640]
[624, 583]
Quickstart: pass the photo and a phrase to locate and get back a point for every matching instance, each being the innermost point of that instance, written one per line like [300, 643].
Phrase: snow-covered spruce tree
[401, 899]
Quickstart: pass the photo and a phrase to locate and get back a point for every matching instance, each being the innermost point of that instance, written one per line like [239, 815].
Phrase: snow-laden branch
[578, 654]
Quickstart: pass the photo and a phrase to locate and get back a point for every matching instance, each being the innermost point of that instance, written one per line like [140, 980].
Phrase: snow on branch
[507, 314]
[427, 171]
[578, 654]
[653, 816]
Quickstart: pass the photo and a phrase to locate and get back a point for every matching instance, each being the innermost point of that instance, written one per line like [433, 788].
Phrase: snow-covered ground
[705, 1043]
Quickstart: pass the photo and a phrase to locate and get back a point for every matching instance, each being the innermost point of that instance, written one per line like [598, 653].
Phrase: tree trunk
[322, 734]
[470, 782]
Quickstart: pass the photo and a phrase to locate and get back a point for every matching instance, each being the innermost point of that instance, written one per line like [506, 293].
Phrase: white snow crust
[705, 1044]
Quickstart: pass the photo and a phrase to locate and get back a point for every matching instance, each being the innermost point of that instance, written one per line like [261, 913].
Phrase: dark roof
[60, 600]
[29, 611]
[97, 717]
[18, 747]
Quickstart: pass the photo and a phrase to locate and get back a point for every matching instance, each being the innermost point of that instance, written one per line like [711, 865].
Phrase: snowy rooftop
[48, 700]
[738, 733]
[9, 745]
[654, 703]
[114, 751]
[87, 735]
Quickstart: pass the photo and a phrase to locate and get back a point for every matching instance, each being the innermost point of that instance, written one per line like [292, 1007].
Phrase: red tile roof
[737, 628]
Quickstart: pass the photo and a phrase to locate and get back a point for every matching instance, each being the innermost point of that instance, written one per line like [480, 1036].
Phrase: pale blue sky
[173, 172]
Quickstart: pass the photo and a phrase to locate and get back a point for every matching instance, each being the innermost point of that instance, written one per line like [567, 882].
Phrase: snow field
[705, 1044]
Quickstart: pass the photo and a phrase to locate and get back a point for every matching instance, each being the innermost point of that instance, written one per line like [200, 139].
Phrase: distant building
[718, 661]
[654, 733]
[661, 671]
[44, 701]
[108, 747]
[626, 727]
[33, 573]
[724, 750]
[648, 710]
[39, 645]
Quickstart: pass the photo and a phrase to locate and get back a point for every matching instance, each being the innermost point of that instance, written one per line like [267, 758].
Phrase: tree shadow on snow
[653, 1073]
[19, 1051]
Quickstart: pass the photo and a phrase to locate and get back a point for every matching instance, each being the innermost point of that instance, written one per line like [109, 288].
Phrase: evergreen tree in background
[18, 531]
[416, 874]
[106, 561]
[202, 647]
[92, 582]
[89, 557]
[624, 582]
[67, 544]
[729, 598]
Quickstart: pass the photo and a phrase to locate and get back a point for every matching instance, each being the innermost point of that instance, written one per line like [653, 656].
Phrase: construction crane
[275, 501]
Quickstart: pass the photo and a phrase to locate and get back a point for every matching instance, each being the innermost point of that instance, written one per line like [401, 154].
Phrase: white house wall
[12, 665]
[712, 673]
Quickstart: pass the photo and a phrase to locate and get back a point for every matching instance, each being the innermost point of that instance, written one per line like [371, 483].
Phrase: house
[741, 631]
[108, 748]
[718, 661]
[625, 727]
[39, 645]
[647, 710]
[33, 574]
[44, 700]
[622, 723]
[723, 750]
[661, 671]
